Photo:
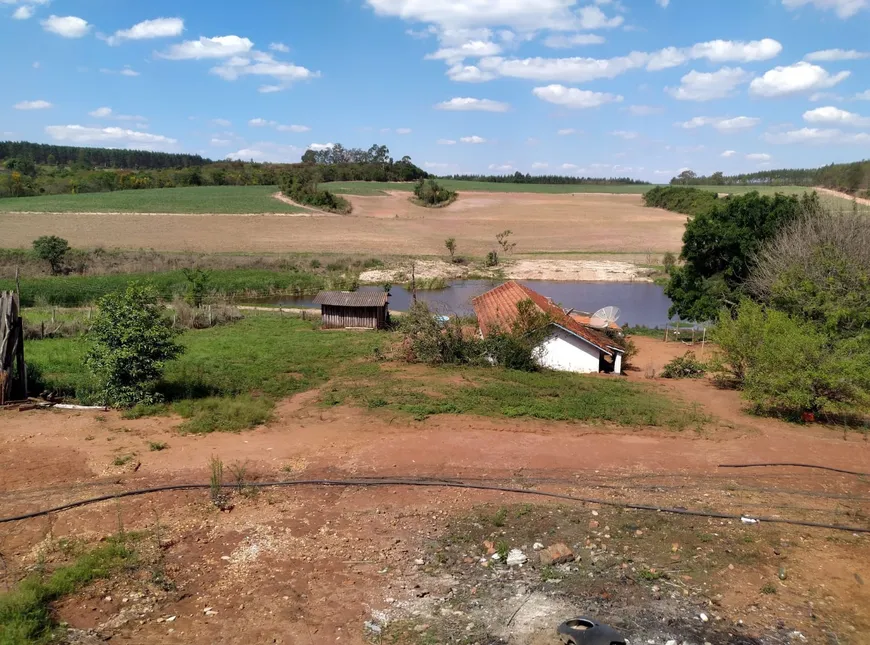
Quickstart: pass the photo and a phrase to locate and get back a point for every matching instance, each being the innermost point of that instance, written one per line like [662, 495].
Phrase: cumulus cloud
[108, 113]
[461, 104]
[729, 153]
[561, 41]
[113, 136]
[505, 167]
[319, 147]
[827, 55]
[219, 143]
[223, 123]
[148, 29]
[473, 139]
[66, 26]
[843, 8]
[446, 142]
[268, 152]
[835, 116]
[722, 124]
[469, 74]
[471, 49]
[592, 17]
[794, 79]
[574, 98]
[758, 156]
[863, 96]
[708, 86]
[262, 64]
[208, 48]
[33, 105]
[24, 12]
[263, 123]
[817, 136]
[279, 47]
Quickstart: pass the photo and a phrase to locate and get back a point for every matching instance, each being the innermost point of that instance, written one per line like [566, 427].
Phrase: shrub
[53, 250]
[197, 285]
[685, 366]
[491, 259]
[428, 340]
[431, 193]
[131, 343]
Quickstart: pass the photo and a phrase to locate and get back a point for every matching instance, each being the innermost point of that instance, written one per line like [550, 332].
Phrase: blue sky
[641, 88]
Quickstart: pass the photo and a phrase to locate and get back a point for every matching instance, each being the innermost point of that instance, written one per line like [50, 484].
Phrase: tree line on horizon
[520, 178]
[852, 178]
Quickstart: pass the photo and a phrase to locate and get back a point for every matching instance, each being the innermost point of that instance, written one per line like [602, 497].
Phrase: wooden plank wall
[341, 317]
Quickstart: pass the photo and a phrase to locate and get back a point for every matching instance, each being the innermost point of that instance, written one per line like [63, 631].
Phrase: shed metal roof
[352, 298]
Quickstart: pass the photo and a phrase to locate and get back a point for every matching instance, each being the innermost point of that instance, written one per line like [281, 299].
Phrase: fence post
[209, 316]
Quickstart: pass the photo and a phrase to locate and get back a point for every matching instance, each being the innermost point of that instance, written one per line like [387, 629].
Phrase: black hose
[833, 470]
[436, 484]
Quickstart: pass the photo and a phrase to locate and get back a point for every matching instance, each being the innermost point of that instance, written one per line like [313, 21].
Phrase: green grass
[73, 291]
[206, 199]
[231, 376]
[25, 612]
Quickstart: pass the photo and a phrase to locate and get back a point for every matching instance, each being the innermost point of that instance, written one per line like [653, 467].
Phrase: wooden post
[209, 316]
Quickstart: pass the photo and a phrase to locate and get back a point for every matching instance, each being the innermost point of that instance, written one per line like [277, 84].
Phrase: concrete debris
[537, 546]
[516, 557]
[556, 554]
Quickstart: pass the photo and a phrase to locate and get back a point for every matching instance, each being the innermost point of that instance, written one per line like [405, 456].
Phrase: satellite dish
[602, 318]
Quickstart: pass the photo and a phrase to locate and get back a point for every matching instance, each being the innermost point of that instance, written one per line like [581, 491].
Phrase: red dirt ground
[308, 565]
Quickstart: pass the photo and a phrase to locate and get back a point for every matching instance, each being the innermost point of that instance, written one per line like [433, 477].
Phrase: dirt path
[281, 197]
[834, 193]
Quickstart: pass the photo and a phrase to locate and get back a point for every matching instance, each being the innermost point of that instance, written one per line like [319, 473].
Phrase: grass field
[73, 291]
[215, 386]
[206, 199]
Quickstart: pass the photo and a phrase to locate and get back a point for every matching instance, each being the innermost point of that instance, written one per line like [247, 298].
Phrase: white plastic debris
[537, 546]
[704, 618]
[748, 520]
[516, 557]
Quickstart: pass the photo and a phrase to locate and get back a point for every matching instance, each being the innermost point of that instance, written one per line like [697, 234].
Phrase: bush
[301, 186]
[431, 193]
[428, 340]
[132, 341]
[689, 201]
[491, 259]
[685, 366]
[197, 286]
[53, 250]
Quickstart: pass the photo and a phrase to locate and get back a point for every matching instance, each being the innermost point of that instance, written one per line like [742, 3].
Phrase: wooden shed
[342, 309]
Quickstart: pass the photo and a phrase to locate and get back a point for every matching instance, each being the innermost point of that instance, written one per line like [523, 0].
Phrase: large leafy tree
[719, 247]
[132, 341]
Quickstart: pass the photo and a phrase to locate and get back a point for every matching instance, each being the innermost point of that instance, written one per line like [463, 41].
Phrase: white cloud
[559, 41]
[293, 128]
[843, 8]
[108, 113]
[219, 143]
[33, 105]
[446, 142]
[625, 134]
[403, 130]
[835, 116]
[148, 29]
[506, 167]
[269, 89]
[816, 136]
[261, 123]
[279, 47]
[566, 131]
[24, 12]
[128, 72]
[825, 96]
[473, 139]
[66, 26]
[758, 156]
[726, 51]
[793, 79]
[570, 166]
[318, 147]
[471, 104]
[863, 96]
[266, 151]
[663, 3]
[471, 49]
[539, 165]
[469, 74]
[722, 124]
[643, 110]
[223, 123]
[572, 97]
[208, 48]
[703, 86]
[262, 64]
[592, 17]
[827, 55]
[729, 153]
[113, 136]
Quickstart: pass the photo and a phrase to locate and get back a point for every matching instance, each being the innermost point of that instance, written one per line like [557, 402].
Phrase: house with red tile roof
[571, 347]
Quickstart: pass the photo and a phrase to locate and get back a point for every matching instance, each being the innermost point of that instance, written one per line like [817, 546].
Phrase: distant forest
[520, 178]
[852, 178]
[28, 169]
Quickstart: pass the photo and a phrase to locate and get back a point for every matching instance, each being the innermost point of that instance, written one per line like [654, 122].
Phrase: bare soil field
[580, 222]
[402, 564]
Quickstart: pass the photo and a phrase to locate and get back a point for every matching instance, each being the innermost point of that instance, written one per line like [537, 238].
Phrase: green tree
[720, 245]
[669, 261]
[53, 250]
[198, 281]
[450, 245]
[131, 342]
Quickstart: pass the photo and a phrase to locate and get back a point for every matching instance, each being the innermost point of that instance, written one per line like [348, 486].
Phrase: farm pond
[641, 303]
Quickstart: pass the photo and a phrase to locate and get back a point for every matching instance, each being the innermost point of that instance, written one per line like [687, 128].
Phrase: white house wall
[567, 353]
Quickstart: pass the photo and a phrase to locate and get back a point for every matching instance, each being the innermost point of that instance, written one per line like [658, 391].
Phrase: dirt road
[390, 223]
[312, 565]
[834, 193]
